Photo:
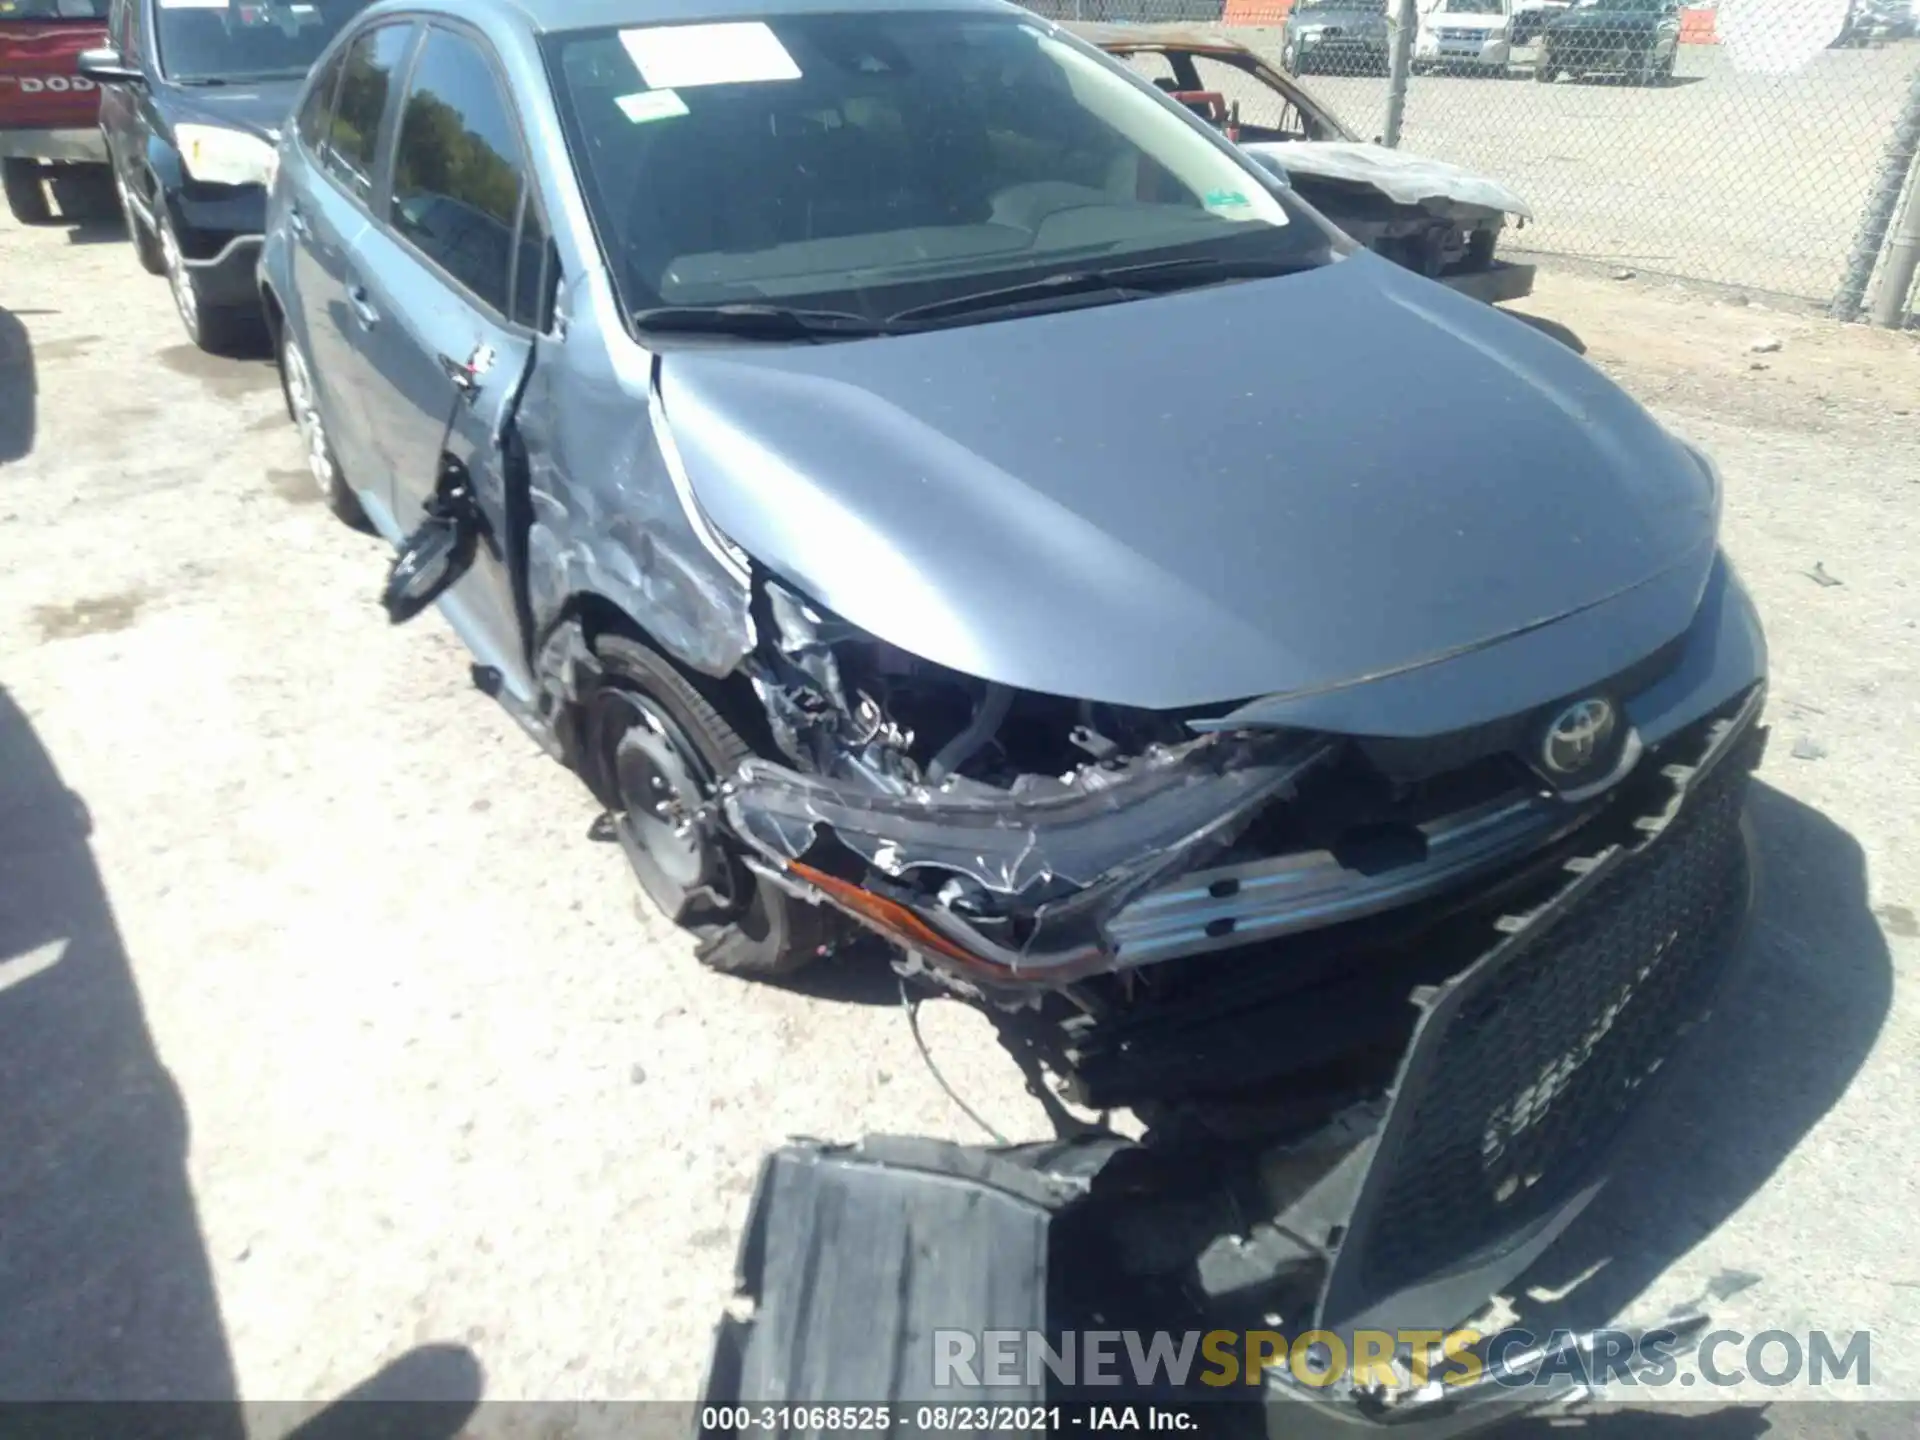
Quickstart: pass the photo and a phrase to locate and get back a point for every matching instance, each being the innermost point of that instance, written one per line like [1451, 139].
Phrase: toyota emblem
[1578, 736]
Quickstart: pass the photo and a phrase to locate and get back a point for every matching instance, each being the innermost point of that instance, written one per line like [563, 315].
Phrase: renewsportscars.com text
[1395, 1360]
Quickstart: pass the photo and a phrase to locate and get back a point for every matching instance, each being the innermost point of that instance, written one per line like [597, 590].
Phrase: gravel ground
[325, 1034]
[1739, 179]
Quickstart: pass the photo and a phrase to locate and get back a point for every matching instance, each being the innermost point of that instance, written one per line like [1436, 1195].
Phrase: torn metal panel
[1013, 844]
[1404, 178]
[1031, 880]
[613, 516]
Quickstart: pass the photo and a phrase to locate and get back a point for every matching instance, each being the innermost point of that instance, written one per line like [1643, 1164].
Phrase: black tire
[303, 408]
[1665, 72]
[26, 196]
[1544, 71]
[1290, 58]
[84, 193]
[217, 329]
[764, 931]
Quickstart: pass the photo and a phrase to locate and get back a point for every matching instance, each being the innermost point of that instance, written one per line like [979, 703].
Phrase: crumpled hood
[1275, 486]
[1407, 179]
[259, 109]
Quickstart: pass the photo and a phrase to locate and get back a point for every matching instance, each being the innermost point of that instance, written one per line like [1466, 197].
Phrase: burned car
[1003, 518]
[1432, 217]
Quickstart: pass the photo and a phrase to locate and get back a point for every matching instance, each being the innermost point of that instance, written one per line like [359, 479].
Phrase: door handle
[465, 374]
[363, 307]
[297, 222]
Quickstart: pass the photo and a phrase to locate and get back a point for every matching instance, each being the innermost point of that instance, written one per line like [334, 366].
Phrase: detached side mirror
[106, 67]
[437, 554]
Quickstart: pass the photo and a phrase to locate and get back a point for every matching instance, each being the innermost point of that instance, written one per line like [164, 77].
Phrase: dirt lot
[1739, 179]
[325, 1033]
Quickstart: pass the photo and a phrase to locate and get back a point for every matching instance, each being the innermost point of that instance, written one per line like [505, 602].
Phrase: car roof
[555, 15]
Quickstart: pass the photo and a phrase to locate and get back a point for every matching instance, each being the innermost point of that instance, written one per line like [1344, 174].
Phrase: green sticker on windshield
[1226, 200]
[651, 105]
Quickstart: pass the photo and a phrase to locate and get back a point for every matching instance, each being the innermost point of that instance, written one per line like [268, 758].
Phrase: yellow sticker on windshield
[646, 105]
[679, 57]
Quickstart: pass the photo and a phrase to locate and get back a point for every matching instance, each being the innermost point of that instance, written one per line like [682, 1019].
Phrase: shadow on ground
[109, 1292]
[19, 389]
[1799, 1015]
[1553, 329]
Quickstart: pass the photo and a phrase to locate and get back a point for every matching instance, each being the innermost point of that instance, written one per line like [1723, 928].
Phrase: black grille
[1536, 1073]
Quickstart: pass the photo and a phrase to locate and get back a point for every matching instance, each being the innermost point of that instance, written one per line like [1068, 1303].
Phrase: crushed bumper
[1118, 877]
[1509, 1105]
[230, 275]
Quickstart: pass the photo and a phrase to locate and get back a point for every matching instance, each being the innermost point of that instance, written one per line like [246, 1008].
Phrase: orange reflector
[888, 915]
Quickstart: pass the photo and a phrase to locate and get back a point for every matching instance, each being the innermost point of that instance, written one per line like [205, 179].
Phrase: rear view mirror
[105, 66]
[438, 553]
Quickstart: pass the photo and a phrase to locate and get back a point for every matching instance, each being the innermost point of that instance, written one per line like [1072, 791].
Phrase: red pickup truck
[49, 113]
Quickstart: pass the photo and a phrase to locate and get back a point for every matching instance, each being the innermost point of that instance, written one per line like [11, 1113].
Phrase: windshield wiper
[1124, 281]
[755, 321]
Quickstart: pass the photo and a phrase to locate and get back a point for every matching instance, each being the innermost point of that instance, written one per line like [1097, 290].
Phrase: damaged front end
[999, 832]
[1396, 1179]
[1026, 843]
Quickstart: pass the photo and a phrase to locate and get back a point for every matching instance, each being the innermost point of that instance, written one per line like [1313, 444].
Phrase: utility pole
[1903, 258]
[1406, 23]
[1878, 216]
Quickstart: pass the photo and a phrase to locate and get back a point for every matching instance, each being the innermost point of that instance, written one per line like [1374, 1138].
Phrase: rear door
[40, 45]
[329, 210]
[447, 352]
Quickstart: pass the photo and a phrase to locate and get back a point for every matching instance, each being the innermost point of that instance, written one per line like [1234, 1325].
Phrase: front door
[445, 355]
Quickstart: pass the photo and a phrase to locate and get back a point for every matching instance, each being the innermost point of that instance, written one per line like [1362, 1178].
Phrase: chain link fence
[1762, 144]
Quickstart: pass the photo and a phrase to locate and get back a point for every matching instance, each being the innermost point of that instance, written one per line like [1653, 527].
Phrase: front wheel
[1544, 71]
[26, 196]
[1290, 57]
[214, 328]
[654, 752]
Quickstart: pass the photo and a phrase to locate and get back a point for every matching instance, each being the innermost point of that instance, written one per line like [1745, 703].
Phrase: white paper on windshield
[645, 105]
[679, 57]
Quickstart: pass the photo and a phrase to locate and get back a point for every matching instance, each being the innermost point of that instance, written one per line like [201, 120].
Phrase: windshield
[230, 40]
[1629, 7]
[1361, 7]
[874, 162]
[1474, 7]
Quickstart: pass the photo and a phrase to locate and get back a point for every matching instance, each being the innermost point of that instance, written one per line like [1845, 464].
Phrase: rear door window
[457, 171]
[353, 133]
[316, 113]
